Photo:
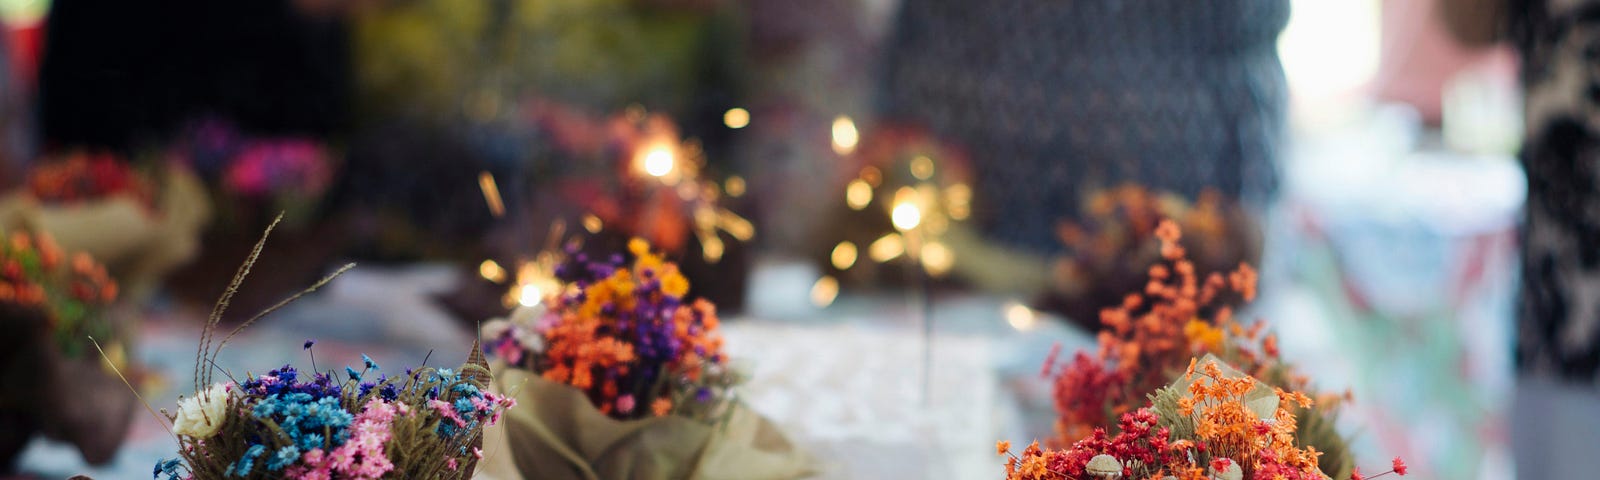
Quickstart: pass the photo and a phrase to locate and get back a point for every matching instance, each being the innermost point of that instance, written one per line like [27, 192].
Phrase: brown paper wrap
[555, 433]
[137, 246]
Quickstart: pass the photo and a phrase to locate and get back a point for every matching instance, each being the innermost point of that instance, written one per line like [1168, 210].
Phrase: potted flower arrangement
[624, 377]
[155, 209]
[51, 384]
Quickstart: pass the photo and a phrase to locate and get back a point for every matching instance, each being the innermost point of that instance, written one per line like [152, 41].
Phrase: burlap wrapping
[555, 433]
[137, 246]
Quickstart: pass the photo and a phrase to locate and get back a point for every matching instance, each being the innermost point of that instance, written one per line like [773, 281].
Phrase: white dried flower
[1105, 466]
[201, 416]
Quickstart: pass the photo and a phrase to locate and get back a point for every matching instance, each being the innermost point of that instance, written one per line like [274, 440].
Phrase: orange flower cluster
[1232, 429]
[1146, 339]
[1229, 440]
[626, 336]
[1109, 246]
[30, 270]
[84, 176]
[33, 277]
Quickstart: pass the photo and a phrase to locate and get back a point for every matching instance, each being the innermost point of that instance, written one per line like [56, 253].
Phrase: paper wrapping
[74, 400]
[555, 433]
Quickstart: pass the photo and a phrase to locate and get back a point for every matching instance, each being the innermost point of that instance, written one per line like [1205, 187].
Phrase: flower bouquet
[356, 424]
[626, 175]
[624, 378]
[426, 423]
[1109, 248]
[636, 176]
[50, 381]
[1147, 339]
[141, 223]
[258, 174]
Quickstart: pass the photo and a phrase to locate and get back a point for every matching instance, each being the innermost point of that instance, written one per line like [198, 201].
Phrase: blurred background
[847, 179]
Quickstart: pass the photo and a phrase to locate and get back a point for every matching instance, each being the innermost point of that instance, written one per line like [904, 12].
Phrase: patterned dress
[1559, 309]
[1054, 98]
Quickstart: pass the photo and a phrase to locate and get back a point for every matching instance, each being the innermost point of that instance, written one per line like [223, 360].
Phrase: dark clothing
[122, 74]
[1558, 315]
[1055, 98]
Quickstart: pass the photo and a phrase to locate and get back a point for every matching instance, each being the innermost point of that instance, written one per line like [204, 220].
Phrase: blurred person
[1556, 408]
[1056, 101]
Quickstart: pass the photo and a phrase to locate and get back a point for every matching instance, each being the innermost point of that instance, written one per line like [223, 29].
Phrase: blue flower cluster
[309, 413]
[305, 418]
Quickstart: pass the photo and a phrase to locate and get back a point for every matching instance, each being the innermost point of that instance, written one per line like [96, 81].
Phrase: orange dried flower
[1147, 338]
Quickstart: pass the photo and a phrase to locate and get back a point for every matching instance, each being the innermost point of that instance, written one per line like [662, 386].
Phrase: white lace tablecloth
[852, 396]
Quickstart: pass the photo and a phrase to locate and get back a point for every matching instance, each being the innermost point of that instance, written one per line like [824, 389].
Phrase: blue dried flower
[166, 467]
[388, 392]
[246, 463]
[354, 375]
[370, 364]
[308, 344]
[286, 456]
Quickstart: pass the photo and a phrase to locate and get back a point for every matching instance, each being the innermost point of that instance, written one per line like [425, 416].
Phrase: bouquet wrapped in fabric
[622, 377]
[356, 424]
[50, 381]
[1147, 339]
[141, 223]
[1212, 423]
[1113, 241]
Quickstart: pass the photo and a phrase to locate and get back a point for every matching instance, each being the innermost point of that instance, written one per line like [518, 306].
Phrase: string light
[658, 161]
[958, 201]
[872, 175]
[824, 291]
[529, 295]
[858, 194]
[845, 135]
[734, 186]
[1021, 317]
[492, 271]
[491, 194]
[711, 248]
[905, 215]
[736, 118]
[922, 167]
[844, 255]
[937, 259]
[592, 223]
[885, 248]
